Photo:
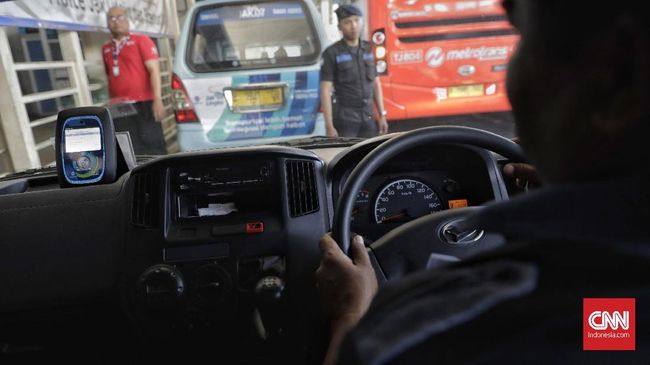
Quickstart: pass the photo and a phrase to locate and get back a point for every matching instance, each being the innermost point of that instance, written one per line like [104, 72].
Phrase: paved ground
[499, 123]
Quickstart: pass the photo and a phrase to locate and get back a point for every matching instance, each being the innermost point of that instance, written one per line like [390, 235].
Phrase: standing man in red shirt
[133, 72]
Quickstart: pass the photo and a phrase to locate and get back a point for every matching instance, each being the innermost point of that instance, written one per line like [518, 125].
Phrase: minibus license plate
[247, 99]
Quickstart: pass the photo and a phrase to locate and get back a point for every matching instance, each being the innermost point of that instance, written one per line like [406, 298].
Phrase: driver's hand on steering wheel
[347, 284]
[525, 175]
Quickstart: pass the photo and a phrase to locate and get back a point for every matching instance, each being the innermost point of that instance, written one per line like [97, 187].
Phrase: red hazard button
[254, 227]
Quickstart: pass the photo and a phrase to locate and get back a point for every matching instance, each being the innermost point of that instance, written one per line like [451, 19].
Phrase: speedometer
[404, 200]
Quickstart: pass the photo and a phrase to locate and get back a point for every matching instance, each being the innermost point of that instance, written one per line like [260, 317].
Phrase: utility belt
[358, 103]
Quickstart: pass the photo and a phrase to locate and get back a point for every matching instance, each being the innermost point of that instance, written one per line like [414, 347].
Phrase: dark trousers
[355, 121]
[146, 134]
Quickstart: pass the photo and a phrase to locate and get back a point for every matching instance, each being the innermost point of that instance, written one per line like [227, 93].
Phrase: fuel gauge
[361, 203]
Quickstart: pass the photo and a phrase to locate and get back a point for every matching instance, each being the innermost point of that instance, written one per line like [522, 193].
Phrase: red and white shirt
[131, 79]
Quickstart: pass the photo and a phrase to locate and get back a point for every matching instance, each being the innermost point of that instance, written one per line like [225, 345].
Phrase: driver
[580, 92]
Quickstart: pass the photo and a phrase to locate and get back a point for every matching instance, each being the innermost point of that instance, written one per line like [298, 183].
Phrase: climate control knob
[210, 286]
[161, 288]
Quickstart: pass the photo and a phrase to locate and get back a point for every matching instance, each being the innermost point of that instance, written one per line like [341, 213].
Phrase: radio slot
[225, 192]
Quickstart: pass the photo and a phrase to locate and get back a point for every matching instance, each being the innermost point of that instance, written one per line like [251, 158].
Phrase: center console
[213, 262]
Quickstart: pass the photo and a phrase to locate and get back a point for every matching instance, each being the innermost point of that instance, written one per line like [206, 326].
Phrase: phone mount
[87, 152]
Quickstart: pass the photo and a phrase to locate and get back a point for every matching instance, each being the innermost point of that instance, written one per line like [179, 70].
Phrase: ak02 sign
[609, 324]
[266, 11]
[252, 12]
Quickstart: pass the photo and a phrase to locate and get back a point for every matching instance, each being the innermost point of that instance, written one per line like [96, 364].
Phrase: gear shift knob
[269, 290]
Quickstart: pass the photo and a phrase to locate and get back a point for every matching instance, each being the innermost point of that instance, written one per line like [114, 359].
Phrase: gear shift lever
[269, 294]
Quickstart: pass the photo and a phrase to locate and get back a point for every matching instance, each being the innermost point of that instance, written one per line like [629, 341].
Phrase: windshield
[243, 37]
[237, 73]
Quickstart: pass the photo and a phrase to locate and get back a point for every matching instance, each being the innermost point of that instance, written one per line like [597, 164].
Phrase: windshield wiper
[140, 159]
[320, 141]
[30, 173]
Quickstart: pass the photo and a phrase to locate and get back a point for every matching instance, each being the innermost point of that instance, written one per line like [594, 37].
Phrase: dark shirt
[352, 71]
[522, 303]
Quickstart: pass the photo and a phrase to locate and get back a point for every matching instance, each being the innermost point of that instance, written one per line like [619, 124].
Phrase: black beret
[346, 11]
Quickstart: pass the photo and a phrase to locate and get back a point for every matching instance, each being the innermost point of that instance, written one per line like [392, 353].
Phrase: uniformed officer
[348, 74]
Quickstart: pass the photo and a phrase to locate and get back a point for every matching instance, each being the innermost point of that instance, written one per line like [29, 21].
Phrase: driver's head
[579, 85]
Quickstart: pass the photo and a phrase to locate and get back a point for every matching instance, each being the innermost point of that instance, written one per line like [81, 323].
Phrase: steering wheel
[441, 236]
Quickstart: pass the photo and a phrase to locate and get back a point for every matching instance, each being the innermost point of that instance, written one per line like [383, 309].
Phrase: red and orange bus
[441, 57]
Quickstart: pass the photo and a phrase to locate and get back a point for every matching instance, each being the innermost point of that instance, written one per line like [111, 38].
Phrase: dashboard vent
[145, 201]
[301, 186]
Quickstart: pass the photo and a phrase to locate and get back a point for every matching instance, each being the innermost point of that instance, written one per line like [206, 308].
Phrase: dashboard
[214, 247]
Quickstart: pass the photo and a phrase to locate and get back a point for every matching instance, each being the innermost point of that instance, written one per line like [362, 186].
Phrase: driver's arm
[347, 285]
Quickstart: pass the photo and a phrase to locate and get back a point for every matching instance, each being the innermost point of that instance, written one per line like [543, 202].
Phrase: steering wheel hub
[454, 233]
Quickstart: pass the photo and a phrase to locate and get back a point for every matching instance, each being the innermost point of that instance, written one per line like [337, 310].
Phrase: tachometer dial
[404, 200]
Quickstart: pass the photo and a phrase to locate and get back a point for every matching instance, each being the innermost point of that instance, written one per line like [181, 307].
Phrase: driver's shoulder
[429, 303]
[531, 288]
